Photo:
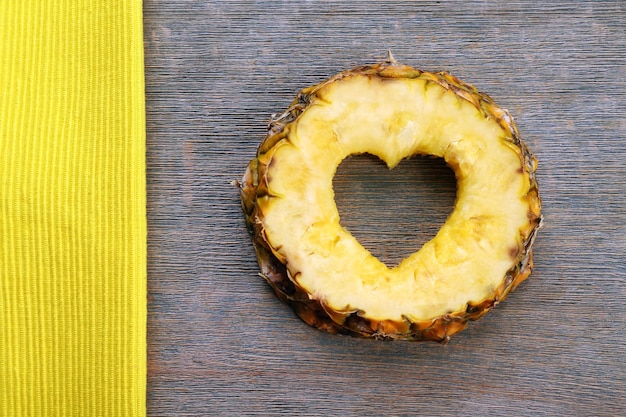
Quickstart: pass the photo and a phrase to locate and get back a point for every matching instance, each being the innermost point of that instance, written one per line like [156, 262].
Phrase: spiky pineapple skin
[315, 312]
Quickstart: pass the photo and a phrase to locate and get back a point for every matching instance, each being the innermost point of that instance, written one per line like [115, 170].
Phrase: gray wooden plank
[220, 343]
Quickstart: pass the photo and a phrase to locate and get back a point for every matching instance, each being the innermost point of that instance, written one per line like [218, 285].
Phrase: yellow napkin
[72, 208]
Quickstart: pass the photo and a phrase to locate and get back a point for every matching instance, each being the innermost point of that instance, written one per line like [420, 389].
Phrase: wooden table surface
[220, 342]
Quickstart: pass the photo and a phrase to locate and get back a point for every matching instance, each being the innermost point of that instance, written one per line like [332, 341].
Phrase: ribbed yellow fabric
[72, 208]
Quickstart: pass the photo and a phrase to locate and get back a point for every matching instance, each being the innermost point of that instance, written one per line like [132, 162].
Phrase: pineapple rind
[317, 310]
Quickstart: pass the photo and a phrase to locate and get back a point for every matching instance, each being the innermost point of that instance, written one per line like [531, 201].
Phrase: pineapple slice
[392, 111]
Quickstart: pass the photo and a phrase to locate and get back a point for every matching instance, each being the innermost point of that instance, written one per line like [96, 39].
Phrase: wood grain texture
[220, 343]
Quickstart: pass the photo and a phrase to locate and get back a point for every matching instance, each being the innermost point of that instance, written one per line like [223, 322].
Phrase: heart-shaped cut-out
[392, 213]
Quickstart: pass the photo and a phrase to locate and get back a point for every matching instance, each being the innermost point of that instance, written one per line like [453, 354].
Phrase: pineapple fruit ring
[392, 111]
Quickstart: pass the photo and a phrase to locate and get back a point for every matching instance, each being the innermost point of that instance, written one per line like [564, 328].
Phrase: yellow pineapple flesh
[394, 112]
